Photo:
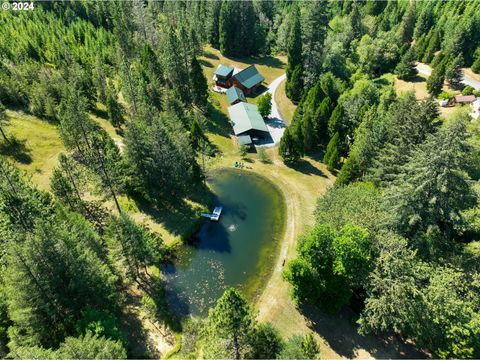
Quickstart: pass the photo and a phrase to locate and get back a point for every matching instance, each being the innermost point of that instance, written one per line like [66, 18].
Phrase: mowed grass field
[37, 149]
[285, 105]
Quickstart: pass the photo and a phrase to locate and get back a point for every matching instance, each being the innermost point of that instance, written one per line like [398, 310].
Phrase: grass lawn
[285, 105]
[37, 149]
[419, 86]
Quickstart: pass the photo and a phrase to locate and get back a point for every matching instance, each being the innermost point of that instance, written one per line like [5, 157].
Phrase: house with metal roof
[235, 95]
[248, 79]
[247, 120]
[223, 75]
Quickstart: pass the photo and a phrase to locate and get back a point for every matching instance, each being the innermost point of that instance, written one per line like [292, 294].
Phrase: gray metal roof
[234, 94]
[249, 77]
[224, 71]
[246, 117]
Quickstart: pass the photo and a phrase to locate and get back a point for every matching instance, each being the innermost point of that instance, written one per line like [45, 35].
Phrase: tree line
[357, 41]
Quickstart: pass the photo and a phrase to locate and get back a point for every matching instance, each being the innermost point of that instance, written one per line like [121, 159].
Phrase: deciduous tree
[265, 105]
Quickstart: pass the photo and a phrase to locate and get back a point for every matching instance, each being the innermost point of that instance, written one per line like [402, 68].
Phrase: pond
[237, 251]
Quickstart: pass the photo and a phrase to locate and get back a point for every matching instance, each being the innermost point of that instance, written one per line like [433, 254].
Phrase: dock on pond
[215, 215]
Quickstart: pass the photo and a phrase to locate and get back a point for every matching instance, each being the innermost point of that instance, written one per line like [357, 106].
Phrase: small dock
[215, 215]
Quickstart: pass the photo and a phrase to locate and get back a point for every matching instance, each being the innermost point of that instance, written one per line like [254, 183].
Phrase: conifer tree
[314, 30]
[114, 109]
[406, 68]
[335, 121]
[436, 79]
[432, 188]
[334, 152]
[407, 124]
[176, 60]
[289, 148]
[95, 148]
[53, 275]
[68, 182]
[199, 84]
[87, 346]
[310, 347]
[322, 116]
[227, 28]
[294, 84]
[433, 45]
[132, 246]
[20, 203]
[294, 87]
[453, 71]
[159, 152]
[91, 346]
[476, 62]
[356, 22]
[231, 319]
[213, 24]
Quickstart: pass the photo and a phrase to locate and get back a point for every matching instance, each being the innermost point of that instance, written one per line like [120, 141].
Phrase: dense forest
[397, 232]
[395, 239]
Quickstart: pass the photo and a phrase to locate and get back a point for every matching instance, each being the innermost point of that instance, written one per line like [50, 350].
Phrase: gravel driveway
[275, 124]
[426, 70]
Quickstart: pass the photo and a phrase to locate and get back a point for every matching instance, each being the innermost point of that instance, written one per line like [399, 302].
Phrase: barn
[247, 121]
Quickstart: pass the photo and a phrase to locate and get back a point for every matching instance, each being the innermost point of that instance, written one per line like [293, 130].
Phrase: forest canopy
[396, 238]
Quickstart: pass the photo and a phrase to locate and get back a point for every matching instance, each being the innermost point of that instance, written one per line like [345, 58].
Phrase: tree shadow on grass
[206, 63]
[258, 91]
[264, 60]
[178, 217]
[341, 335]
[210, 55]
[305, 167]
[217, 122]
[100, 113]
[17, 150]
[417, 79]
[132, 327]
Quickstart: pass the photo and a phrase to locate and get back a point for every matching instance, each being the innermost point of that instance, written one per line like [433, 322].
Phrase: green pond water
[239, 250]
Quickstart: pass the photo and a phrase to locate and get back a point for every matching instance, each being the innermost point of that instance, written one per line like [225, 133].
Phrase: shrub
[265, 105]
[262, 155]
[445, 95]
[468, 90]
